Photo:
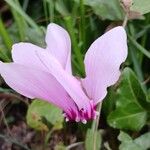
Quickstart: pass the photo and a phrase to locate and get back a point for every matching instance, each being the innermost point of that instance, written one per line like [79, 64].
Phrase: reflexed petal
[59, 45]
[33, 83]
[29, 55]
[70, 84]
[102, 62]
[25, 54]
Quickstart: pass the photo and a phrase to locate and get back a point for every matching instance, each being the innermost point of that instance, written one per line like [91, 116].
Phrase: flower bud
[127, 4]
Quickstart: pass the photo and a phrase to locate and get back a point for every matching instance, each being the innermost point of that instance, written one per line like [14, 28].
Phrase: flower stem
[95, 125]
[125, 20]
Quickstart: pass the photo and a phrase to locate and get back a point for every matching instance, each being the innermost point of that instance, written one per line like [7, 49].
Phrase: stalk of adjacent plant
[125, 20]
[126, 4]
[82, 24]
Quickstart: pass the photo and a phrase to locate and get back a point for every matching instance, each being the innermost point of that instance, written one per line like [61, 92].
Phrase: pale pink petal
[59, 45]
[25, 54]
[70, 84]
[33, 83]
[102, 62]
[31, 55]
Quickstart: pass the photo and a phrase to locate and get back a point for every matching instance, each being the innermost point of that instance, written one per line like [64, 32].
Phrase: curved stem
[125, 20]
[74, 145]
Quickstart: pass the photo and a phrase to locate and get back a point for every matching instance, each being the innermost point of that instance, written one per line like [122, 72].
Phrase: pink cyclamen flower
[46, 73]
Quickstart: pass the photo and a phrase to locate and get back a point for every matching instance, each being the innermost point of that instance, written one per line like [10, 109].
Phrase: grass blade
[138, 46]
[5, 36]
[18, 9]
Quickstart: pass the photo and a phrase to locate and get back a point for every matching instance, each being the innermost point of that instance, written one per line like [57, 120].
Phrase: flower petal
[102, 62]
[32, 55]
[59, 45]
[70, 83]
[33, 83]
[24, 53]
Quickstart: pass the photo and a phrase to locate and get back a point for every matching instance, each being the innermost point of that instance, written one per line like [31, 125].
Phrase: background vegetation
[125, 117]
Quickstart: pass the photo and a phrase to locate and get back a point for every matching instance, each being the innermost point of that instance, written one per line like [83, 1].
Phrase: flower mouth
[82, 115]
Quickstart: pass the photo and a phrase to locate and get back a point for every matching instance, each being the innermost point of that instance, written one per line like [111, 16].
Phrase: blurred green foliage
[131, 104]
[44, 116]
[127, 104]
[140, 143]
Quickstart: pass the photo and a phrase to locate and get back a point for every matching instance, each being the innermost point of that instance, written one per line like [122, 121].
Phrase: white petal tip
[77, 119]
[64, 114]
[67, 119]
[84, 121]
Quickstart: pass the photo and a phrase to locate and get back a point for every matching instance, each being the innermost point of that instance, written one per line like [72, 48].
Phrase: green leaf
[127, 143]
[108, 104]
[106, 9]
[90, 136]
[124, 137]
[130, 90]
[131, 106]
[41, 115]
[129, 117]
[142, 6]
[140, 143]
[143, 141]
